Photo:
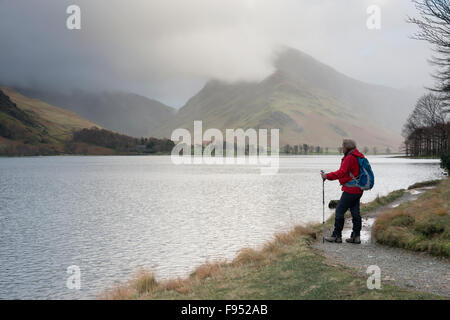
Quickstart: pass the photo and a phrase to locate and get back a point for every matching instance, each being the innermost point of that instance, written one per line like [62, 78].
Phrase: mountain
[32, 127]
[125, 113]
[55, 119]
[307, 100]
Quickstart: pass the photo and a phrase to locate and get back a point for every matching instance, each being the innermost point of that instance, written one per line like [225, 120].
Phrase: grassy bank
[285, 268]
[424, 184]
[421, 225]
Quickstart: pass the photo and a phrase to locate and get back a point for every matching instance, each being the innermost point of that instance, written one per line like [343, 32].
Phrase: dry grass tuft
[248, 255]
[271, 247]
[303, 231]
[284, 238]
[207, 270]
[276, 246]
[144, 282]
[119, 292]
[179, 285]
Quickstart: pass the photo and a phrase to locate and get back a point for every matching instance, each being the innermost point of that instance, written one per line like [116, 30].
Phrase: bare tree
[305, 148]
[434, 27]
[287, 149]
[429, 111]
[426, 130]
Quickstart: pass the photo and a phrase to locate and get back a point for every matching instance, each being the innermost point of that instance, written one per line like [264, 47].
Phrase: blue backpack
[366, 179]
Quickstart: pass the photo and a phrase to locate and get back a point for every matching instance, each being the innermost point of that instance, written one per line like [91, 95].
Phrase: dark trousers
[348, 201]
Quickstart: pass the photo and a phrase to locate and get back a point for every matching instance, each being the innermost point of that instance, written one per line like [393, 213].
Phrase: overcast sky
[167, 49]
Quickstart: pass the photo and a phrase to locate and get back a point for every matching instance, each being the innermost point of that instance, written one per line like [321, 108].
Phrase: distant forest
[303, 149]
[92, 141]
[118, 142]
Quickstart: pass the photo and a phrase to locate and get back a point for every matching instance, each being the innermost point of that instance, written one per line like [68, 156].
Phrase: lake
[111, 216]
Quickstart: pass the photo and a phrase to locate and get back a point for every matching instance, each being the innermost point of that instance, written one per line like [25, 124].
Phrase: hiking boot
[352, 239]
[333, 238]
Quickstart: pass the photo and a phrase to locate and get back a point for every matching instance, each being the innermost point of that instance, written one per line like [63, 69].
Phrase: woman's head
[348, 144]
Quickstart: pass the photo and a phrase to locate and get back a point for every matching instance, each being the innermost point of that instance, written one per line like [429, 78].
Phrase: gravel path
[418, 271]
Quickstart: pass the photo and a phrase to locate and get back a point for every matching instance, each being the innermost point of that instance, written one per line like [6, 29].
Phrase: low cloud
[168, 49]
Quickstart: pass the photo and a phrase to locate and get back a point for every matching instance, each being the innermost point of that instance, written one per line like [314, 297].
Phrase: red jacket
[349, 163]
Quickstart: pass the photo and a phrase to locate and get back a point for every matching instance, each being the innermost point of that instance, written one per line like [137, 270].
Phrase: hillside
[125, 113]
[32, 127]
[308, 101]
[56, 120]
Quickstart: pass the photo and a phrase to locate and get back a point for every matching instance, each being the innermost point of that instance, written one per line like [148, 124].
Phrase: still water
[111, 216]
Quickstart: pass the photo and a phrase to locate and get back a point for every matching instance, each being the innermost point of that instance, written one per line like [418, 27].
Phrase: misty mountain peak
[309, 102]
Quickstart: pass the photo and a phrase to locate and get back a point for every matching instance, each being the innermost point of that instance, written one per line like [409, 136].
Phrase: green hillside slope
[32, 127]
[125, 113]
[308, 101]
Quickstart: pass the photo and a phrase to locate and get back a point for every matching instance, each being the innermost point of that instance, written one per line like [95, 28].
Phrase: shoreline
[85, 155]
[168, 154]
[211, 280]
[405, 255]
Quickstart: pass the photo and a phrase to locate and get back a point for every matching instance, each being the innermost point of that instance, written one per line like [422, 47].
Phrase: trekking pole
[323, 209]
